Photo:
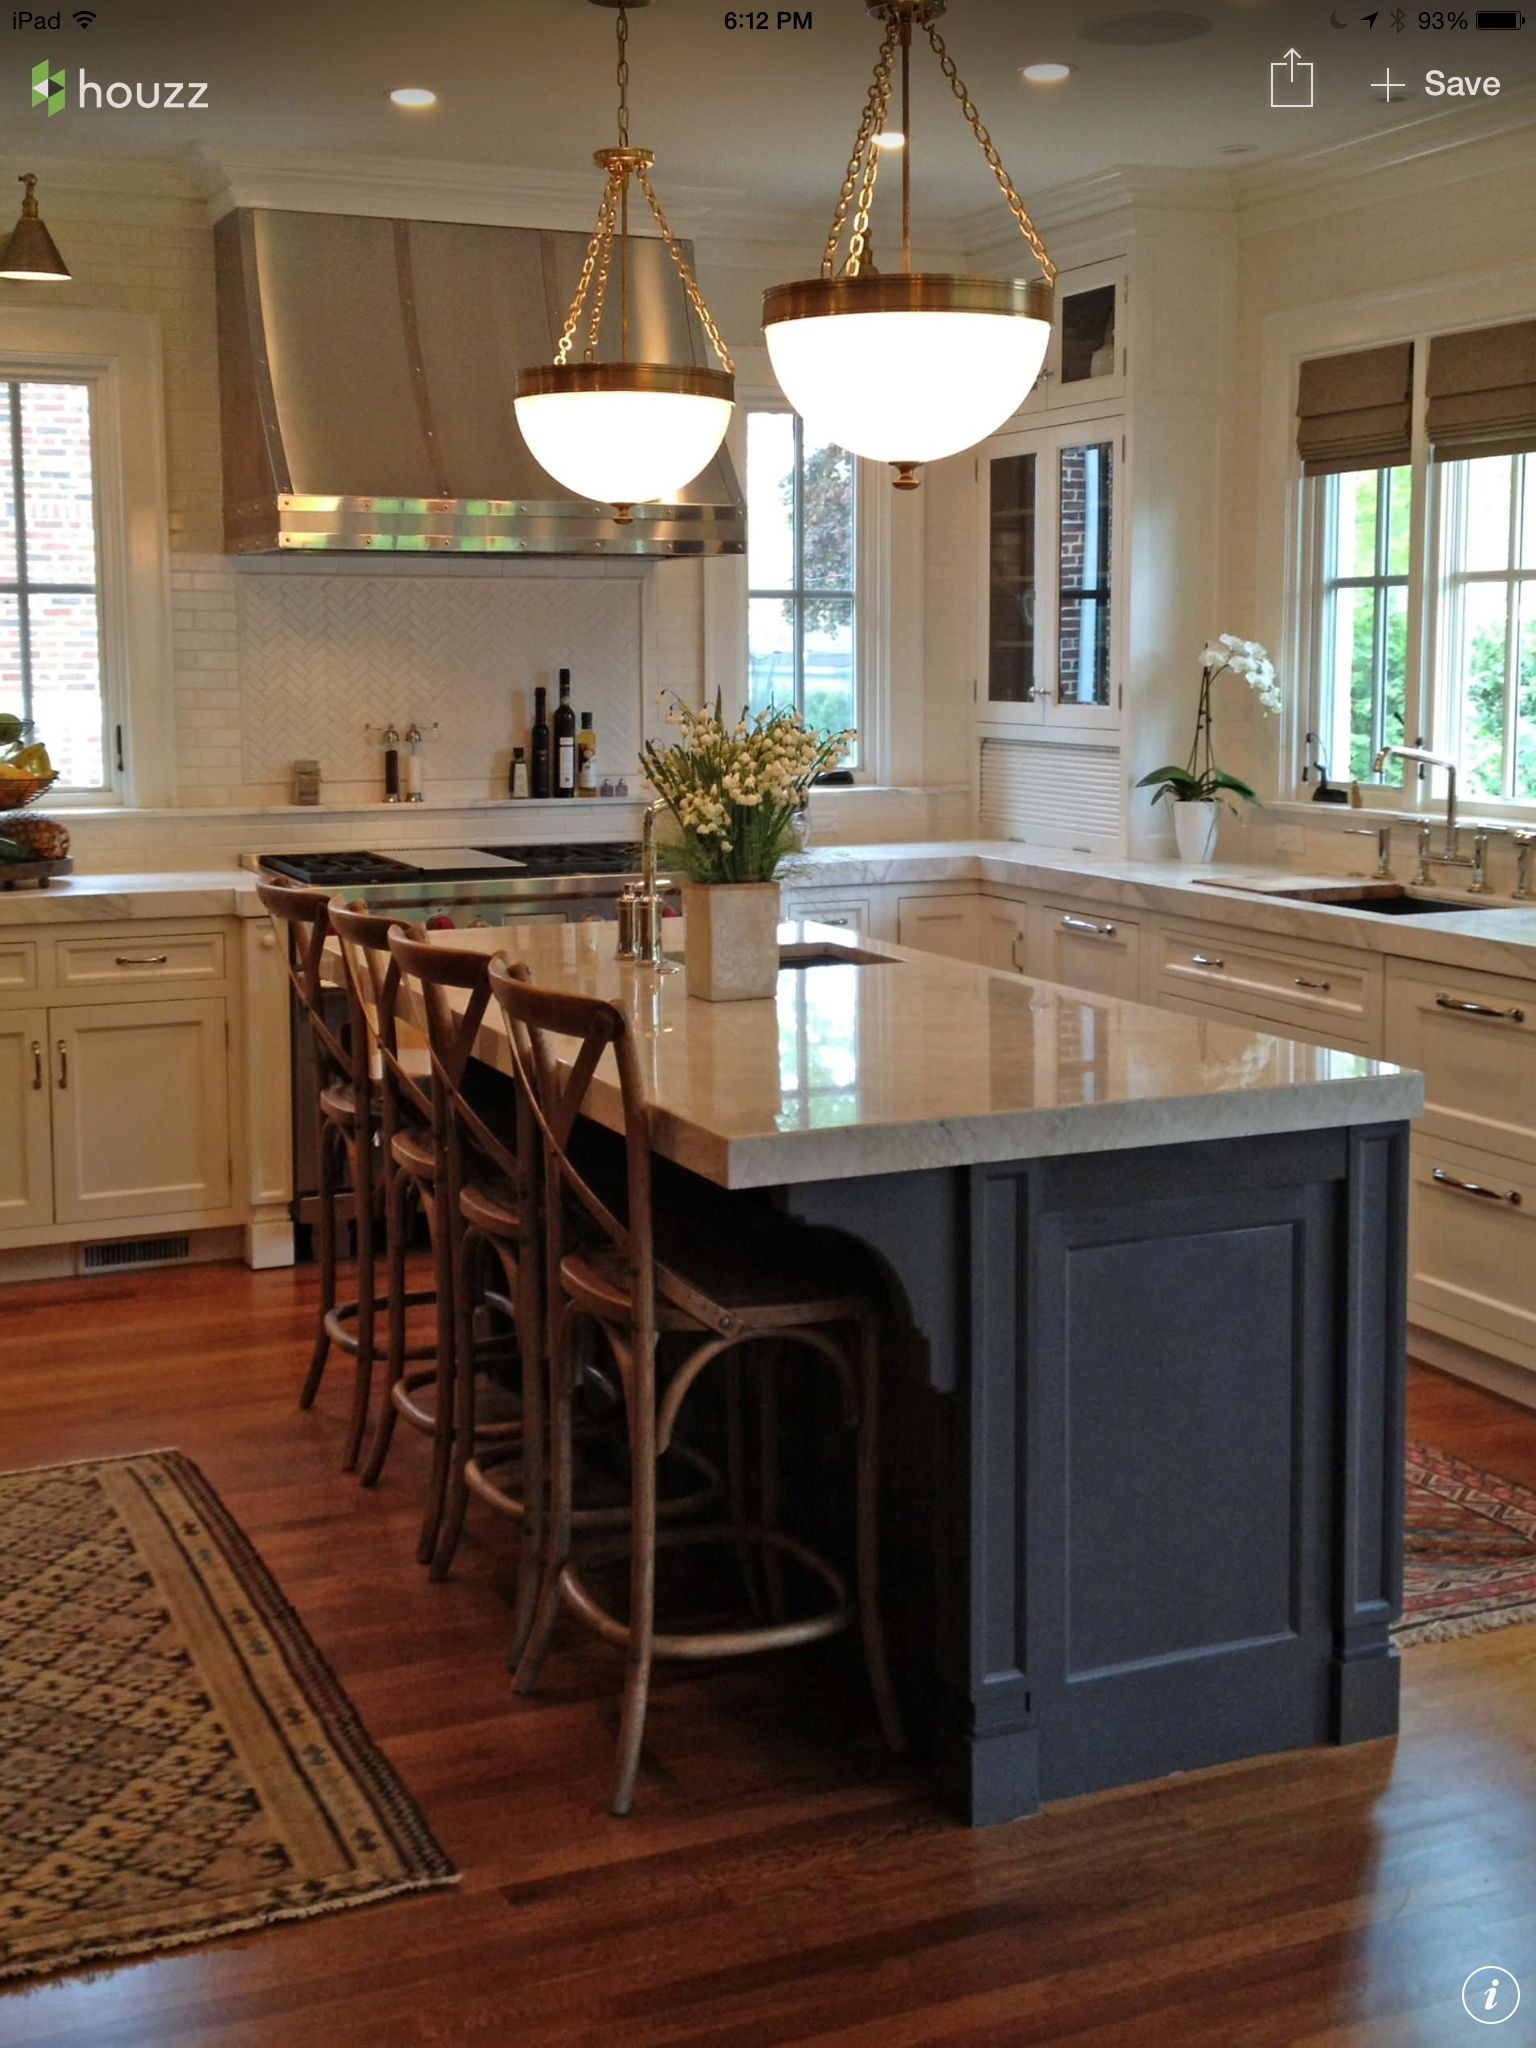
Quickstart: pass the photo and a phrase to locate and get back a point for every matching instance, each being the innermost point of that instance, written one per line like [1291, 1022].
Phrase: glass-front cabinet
[1085, 360]
[1050, 622]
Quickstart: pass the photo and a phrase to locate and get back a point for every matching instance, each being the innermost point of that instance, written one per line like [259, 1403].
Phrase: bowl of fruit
[26, 772]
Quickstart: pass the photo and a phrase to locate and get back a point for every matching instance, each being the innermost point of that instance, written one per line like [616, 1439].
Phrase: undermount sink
[1381, 899]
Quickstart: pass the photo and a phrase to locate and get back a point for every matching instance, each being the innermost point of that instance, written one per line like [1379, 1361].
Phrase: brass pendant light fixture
[907, 366]
[624, 432]
[31, 256]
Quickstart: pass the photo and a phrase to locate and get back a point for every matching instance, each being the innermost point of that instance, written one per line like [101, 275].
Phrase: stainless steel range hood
[366, 371]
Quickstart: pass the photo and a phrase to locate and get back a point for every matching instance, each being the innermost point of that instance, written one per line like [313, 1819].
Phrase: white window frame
[119, 356]
[1287, 549]
[1449, 593]
[888, 629]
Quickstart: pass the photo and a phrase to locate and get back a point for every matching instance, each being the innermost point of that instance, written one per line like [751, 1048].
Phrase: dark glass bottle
[539, 743]
[565, 739]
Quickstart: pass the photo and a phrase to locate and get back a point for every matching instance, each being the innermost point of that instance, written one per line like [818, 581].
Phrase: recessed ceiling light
[890, 138]
[413, 96]
[1142, 30]
[1046, 74]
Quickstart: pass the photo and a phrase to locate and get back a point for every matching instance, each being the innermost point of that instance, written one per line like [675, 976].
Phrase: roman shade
[1354, 411]
[1482, 392]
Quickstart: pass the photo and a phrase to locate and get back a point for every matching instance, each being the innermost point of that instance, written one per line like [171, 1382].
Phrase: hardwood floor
[781, 1880]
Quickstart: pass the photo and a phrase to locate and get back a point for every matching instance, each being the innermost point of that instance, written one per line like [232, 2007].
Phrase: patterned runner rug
[1471, 1550]
[176, 1759]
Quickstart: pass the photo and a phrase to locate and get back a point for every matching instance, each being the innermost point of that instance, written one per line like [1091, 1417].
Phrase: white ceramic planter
[1194, 828]
[731, 940]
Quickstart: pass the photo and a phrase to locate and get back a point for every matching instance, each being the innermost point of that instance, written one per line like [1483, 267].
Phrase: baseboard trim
[1494, 1375]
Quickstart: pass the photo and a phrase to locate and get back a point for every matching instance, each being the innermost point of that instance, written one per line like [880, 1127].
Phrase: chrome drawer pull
[1478, 1009]
[63, 1063]
[1470, 1187]
[37, 1066]
[1087, 924]
[142, 959]
[1302, 982]
[830, 920]
[1206, 960]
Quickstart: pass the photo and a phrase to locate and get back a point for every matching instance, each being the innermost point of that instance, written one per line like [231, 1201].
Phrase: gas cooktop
[559, 858]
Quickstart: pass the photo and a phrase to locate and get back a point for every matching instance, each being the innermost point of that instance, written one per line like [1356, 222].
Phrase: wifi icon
[83, 18]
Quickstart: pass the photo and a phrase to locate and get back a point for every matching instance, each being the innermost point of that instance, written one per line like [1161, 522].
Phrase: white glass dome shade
[907, 367]
[623, 433]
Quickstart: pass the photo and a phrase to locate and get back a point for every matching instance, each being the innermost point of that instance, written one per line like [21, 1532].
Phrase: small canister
[626, 947]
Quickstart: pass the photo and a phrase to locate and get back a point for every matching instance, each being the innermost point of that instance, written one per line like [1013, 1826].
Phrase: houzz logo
[48, 90]
[47, 87]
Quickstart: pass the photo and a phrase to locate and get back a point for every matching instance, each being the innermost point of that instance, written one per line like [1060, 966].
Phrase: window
[1487, 523]
[50, 623]
[1083, 550]
[1363, 519]
[802, 572]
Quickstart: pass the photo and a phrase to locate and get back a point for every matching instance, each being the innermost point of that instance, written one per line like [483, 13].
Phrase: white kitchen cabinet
[826, 906]
[941, 924]
[140, 1110]
[1003, 934]
[1083, 946]
[1050, 628]
[1472, 1249]
[1085, 359]
[26, 1185]
[1319, 993]
[1473, 1036]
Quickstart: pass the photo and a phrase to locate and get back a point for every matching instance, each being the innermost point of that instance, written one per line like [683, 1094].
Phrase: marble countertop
[911, 1061]
[98, 899]
[1496, 936]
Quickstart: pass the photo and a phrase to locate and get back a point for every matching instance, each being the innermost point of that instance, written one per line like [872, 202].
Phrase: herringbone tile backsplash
[323, 658]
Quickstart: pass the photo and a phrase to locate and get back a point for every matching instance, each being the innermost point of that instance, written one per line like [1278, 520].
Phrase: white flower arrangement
[735, 790]
[1200, 780]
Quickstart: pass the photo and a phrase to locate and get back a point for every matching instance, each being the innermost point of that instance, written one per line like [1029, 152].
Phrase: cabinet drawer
[1252, 1016]
[940, 924]
[851, 913]
[1472, 1243]
[1473, 1036]
[18, 965]
[148, 962]
[1313, 985]
[1083, 947]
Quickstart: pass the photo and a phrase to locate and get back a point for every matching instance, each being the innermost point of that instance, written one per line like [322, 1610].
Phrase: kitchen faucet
[640, 910]
[1450, 855]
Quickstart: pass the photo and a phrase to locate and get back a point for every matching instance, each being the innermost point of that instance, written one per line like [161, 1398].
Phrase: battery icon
[1499, 17]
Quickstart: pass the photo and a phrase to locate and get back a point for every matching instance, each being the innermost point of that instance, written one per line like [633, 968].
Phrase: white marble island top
[896, 1061]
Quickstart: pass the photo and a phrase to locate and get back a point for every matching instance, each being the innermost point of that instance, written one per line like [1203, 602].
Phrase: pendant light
[904, 367]
[31, 255]
[624, 432]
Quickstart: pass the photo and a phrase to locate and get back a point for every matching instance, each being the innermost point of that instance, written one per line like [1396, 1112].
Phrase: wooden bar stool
[412, 1174]
[483, 1221]
[713, 1296]
[346, 1124]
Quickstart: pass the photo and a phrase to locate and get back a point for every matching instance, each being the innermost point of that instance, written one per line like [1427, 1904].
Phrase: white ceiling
[757, 119]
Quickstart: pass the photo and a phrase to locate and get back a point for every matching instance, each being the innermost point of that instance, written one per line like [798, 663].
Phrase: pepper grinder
[413, 737]
[391, 765]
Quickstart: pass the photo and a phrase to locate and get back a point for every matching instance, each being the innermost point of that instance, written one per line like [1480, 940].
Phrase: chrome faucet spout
[1426, 759]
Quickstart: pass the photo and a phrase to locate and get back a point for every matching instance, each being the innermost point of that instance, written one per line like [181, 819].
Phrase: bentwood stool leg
[535, 1444]
[640, 1387]
[325, 1230]
[461, 1447]
[557, 1540]
[443, 1413]
[868, 1536]
[361, 1150]
[397, 1189]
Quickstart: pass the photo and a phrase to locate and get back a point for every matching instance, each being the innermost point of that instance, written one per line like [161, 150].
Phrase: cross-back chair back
[436, 973]
[373, 987]
[302, 920]
[556, 1095]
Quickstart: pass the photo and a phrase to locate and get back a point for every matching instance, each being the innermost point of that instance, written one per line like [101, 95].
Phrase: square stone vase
[731, 940]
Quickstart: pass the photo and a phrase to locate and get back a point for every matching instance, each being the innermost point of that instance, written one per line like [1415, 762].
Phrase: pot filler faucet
[1450, 854]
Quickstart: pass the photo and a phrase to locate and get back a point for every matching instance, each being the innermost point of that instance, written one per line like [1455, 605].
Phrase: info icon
[1490, 1996]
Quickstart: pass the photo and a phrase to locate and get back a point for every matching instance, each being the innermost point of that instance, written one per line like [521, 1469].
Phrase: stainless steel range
[474, 885]
[443, 887]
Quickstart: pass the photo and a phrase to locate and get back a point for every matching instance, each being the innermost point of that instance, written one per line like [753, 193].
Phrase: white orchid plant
[1200, 780]
[736, 790]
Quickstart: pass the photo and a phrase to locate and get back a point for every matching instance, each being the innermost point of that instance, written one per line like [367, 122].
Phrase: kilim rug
[1471, 1550]
[176, 1759]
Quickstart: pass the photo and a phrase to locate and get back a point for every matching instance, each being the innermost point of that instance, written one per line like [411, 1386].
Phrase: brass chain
[858, 241]
[1016, 205]
[872, 109]
[623, 39]
[695, 296]
[589, 264]
[607, 220]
